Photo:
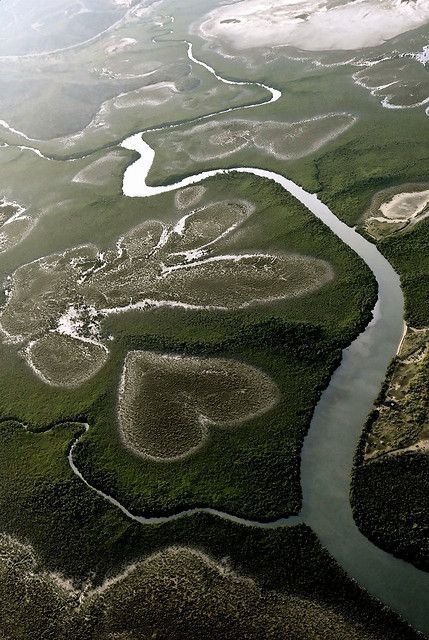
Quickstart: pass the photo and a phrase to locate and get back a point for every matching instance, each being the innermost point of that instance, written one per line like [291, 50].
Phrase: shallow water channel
[327, 456]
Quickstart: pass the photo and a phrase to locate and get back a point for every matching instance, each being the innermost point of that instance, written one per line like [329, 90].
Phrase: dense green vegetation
[75, 531]
[409, 254]
[351, 174]
[252, 471]
[255, 470]
[348, 171]
[390, 496]
[391, 505]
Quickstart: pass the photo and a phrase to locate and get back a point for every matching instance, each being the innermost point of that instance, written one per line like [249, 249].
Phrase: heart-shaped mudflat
[168, 403]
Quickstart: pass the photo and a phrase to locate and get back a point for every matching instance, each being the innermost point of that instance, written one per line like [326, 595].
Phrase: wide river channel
[327, 456]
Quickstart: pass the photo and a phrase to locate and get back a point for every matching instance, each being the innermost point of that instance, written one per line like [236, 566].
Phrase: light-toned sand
[397, 209]
[121, 45]
[153, 96]
[423, 55]
[313, 25]
[405, 205]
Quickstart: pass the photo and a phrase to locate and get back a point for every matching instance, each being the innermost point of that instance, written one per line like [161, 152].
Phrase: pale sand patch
[405, 205]
[121, 45]
[153, 95]
[397, 209]
[313, 25]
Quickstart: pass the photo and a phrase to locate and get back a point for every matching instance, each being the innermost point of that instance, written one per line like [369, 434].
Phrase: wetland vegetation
[179, 344]
[111, 566]
[390, 479]
[169, 404]
[296, 341]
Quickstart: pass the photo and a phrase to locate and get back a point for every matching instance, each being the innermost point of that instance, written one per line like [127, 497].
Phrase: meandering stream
[339, 417]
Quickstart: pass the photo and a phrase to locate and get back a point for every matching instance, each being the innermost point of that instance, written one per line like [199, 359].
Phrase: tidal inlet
[214, 319]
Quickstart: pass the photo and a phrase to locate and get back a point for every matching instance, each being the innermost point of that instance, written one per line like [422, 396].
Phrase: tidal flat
[178, 309]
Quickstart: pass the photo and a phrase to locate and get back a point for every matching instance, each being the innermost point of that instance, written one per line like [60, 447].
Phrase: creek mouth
[339, 417]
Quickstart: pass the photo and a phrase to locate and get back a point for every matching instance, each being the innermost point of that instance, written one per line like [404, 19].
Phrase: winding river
[328, 451]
